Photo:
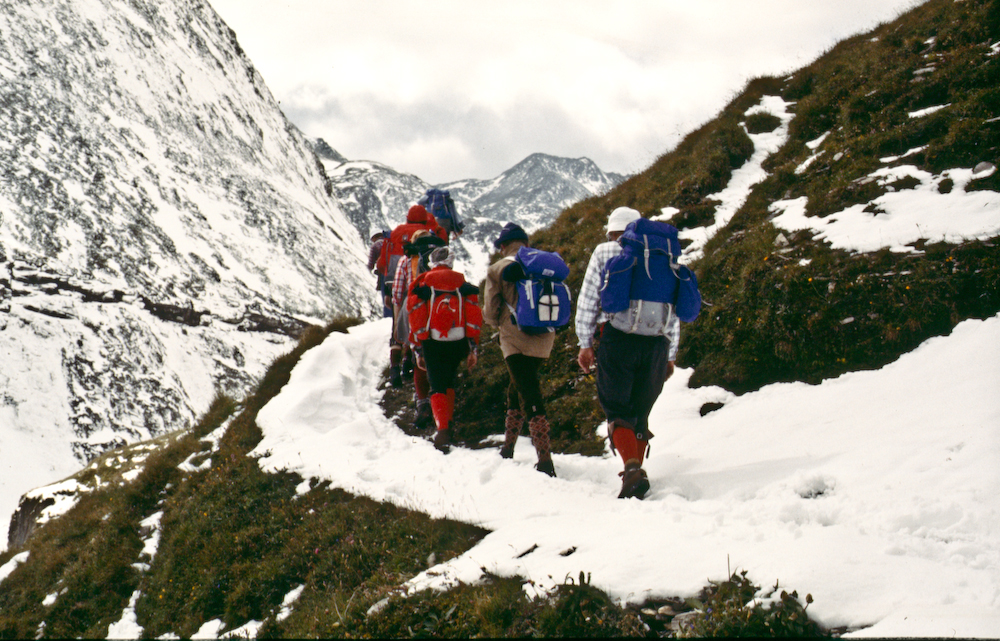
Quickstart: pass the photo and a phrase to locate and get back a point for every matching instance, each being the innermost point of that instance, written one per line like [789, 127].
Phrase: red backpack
[444, 307]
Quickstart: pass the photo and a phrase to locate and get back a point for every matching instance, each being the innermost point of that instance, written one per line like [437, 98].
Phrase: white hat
[441, 256]
[621, 217]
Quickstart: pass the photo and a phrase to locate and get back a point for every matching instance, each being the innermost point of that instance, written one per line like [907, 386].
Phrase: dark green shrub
[498, 608]
[731, 609]
[762, 122]
[579, 610]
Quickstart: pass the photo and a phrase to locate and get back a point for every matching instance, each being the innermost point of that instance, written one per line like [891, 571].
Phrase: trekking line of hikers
[633, 297]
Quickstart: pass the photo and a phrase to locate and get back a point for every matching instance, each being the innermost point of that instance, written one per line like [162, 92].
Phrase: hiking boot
[425, 416]
[407, 366]
[442, 441]
[395, 377]
[635, 483]
[507, 451]
[546, 467]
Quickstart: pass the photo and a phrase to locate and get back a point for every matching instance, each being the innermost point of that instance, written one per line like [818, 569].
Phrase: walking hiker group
[633, 297]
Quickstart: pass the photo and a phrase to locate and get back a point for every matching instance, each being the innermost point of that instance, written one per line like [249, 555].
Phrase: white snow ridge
[876, 492]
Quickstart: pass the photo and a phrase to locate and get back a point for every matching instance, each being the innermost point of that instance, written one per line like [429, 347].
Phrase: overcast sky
[453, 89]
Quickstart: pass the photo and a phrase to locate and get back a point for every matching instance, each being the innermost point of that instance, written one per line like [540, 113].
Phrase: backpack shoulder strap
[414, 267]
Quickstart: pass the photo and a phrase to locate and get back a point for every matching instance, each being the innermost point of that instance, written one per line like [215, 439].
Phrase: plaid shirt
[588, 305]
[401, 283]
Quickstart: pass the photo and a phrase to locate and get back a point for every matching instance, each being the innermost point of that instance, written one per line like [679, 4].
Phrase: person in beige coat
[523, 353]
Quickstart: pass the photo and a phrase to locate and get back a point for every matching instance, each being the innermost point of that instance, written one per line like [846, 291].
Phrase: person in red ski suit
[445, 321]
[417, 218]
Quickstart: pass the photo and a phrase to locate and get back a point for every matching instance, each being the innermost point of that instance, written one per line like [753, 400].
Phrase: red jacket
[416, 219]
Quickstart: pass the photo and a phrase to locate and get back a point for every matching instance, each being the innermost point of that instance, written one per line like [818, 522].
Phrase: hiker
[417, 218]
[416, 253]
[523, 353]
[441, 206]
[631, 368]
[378, 239]
[445, 321]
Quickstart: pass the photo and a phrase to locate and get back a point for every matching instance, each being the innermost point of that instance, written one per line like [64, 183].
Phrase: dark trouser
[386, 309]
[443, 359]
[630, 375]
[525, 392]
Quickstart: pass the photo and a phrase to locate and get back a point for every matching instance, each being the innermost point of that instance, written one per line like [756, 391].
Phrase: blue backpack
[440, 204]
[543, 299]
[644, 284]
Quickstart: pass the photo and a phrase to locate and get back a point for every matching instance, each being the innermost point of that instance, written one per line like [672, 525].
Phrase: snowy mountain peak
[326, 152]
[146, 152]
[531, 190]
[531, 193]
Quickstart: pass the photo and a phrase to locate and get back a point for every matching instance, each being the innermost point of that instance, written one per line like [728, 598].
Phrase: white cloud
[403, 83]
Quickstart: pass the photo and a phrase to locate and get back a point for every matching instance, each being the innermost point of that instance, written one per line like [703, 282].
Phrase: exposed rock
[25, 520]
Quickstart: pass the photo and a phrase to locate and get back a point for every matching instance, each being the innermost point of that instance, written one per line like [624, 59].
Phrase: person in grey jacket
[523, 353]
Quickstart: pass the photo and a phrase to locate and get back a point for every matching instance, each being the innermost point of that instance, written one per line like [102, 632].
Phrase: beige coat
[496, 312]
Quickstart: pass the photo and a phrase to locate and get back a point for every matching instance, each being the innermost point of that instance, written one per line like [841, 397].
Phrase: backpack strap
[414, 267]
[430, 313]
[513, 312]
[645, 254]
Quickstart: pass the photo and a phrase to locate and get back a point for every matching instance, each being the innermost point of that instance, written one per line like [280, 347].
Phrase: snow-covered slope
[142, 150]
[876, 492]
[163, 228]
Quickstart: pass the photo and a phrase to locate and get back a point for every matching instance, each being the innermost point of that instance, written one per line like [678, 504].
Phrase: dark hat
[510, 231]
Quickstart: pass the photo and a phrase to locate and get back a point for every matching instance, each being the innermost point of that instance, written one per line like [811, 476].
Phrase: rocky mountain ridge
[146, 171]
[531, 194]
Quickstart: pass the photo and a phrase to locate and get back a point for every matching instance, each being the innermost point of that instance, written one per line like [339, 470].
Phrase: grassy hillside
[777, 313]
[232, 542]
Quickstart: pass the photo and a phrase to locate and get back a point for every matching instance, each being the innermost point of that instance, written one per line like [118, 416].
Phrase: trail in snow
[876, 492]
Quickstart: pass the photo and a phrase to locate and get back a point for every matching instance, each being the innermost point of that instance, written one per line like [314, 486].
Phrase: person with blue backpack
[441, 205]
[526, 300]
[636, 293]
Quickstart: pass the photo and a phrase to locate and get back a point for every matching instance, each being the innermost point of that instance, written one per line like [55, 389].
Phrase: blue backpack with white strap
[543, 299]
[644, 285]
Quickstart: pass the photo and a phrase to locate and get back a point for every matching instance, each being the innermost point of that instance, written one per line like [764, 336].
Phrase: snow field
[876, 492]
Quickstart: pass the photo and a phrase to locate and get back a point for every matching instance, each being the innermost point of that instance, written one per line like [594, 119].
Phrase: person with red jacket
[392, 252]
[445, 322]
[422, 243]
